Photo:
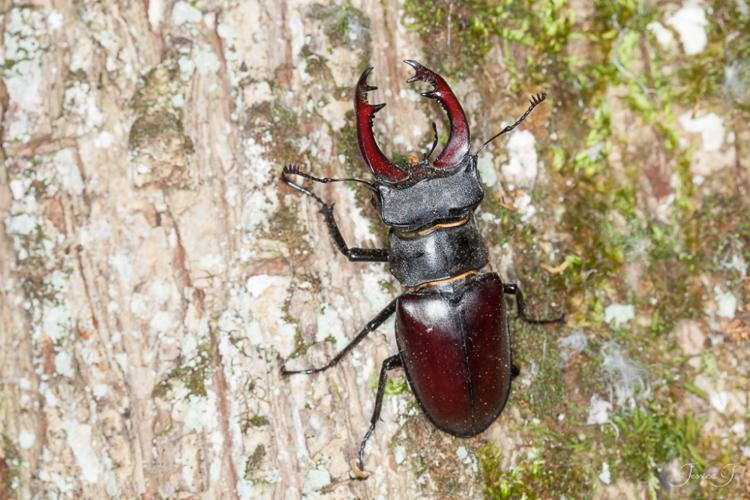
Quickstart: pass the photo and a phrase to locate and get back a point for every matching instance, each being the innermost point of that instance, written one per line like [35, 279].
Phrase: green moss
[192, 375]
[253, 421]
[149, 127]
[720, 237]
[274, 126]
[316, 65]
[672, 274]
[701, 77]
[534, 350]
[36, 264]
[396, 386]
[344, 25]
[285, 225]
[614, 37]
[433, 455]
[470, 29]
[10, 466]
[156, 117]
[649, 438]
[300, 346]
[560, 474]
[254, 461]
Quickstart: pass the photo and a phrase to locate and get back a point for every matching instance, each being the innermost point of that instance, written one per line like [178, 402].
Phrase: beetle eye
[375, 200]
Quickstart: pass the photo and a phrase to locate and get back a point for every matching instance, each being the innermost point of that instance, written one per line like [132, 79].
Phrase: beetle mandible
[451, 323]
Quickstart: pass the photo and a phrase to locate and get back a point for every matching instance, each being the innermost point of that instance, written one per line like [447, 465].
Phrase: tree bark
[155, 272]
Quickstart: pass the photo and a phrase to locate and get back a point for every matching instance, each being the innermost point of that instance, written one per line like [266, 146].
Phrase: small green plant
[560, 468]
[650, 437]
[394, 387]
[516, 482]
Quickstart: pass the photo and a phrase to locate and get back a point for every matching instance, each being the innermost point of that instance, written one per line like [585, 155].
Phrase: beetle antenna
[294, 170]
[434, 142]
[535, 101]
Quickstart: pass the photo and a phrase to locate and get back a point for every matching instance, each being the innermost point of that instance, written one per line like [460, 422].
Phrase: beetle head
[422, 192]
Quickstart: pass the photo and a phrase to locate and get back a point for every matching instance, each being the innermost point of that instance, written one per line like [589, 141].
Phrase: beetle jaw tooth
[381, 166]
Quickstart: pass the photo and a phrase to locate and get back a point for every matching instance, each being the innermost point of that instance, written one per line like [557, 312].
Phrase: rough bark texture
[154, 272]
[143, 285]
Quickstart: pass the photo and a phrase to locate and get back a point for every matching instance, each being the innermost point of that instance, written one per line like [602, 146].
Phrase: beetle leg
[394, 361]
[353, 254]
[370, 327]
[512, 289]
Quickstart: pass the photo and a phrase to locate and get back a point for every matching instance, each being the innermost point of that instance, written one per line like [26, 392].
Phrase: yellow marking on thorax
[434, 228]
[446, 280]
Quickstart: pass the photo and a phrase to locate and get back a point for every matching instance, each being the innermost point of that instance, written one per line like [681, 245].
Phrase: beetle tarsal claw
[537, 99]
[359, 472]
[291, 170]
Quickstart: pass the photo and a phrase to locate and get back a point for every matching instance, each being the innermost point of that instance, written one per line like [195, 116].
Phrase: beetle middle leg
[390, 363]
[353, 254]
[512, 289]
[369, 327]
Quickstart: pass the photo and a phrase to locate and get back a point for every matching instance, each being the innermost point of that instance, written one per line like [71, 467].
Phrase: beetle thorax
[440, 196]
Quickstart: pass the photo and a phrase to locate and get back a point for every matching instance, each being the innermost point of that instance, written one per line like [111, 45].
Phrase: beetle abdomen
[454, 343]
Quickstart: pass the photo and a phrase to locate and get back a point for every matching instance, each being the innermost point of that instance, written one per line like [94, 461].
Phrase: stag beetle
[451, 323]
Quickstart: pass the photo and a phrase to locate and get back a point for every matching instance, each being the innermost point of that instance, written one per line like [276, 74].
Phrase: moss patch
[157, 138]
[192, 375]
[10, 464]
[649, 438]
[344, 25]
[618, 203]
[558, 473]
[254, 462]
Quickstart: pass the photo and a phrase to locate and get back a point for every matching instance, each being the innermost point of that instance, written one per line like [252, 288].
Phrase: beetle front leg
[512, 289]
[353, 254]
[370, 327]
[358, 469]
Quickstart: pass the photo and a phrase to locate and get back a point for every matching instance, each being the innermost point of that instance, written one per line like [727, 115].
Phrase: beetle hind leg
[358, 468]
[512, 289]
